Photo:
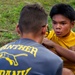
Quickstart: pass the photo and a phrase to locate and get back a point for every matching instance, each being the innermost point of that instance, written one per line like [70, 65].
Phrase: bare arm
[66, 53]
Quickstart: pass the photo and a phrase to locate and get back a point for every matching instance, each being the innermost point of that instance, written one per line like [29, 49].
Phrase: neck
[36, 38]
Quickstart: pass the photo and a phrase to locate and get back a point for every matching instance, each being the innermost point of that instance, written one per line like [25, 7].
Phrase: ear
[44, 29]
[73, 22]
[18, 30]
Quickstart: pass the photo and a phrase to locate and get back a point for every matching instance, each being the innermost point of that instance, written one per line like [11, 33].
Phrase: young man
[27, 56]
[63, 38]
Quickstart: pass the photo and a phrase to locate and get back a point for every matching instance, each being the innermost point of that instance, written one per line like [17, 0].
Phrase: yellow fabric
[66, 42]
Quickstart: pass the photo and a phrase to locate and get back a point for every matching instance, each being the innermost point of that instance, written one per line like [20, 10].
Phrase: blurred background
[9, 15]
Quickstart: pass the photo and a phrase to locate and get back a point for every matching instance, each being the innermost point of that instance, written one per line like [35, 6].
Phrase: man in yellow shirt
[61, 38]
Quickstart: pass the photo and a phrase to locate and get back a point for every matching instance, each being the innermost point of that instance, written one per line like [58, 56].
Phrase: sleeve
[59, 69]
[53, 64]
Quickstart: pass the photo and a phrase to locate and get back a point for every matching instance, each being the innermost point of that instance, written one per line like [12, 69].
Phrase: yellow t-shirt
[66, 42]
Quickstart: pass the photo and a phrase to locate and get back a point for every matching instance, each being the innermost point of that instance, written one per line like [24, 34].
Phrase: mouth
[58, 33]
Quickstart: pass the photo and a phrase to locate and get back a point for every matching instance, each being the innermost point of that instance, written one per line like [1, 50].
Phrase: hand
[47, 43]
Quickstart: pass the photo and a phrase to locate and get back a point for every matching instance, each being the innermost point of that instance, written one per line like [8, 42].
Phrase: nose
[58, 26]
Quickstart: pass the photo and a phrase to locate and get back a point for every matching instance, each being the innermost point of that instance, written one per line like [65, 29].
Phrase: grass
[9, 15]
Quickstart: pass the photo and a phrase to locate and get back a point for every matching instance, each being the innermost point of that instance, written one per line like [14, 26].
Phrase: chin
[59, 36]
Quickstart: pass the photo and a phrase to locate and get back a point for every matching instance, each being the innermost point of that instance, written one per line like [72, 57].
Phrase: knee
[67, 72]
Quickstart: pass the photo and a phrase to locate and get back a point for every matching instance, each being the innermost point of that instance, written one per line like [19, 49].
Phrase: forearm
[66, 53]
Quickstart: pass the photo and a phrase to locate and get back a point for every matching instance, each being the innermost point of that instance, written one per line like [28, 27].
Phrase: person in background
[27, 56]
[61, 39]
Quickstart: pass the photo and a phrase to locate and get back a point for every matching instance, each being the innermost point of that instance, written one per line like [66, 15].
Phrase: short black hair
[32, 17]
[63, 9]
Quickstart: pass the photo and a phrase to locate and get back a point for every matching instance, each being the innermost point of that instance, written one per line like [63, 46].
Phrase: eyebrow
[60, 21]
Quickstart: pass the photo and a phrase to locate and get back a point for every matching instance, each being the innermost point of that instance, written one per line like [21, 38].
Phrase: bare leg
[67, 72]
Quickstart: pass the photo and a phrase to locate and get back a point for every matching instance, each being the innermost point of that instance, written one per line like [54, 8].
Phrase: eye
[63, 23]
[54, 22]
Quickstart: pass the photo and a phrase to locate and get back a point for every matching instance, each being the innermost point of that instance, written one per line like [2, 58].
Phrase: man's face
[61, 25]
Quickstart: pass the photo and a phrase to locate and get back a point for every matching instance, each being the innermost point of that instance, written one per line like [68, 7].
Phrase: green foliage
[9, 15]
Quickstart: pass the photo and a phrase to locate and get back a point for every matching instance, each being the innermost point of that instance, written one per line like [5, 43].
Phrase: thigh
[67, 71]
